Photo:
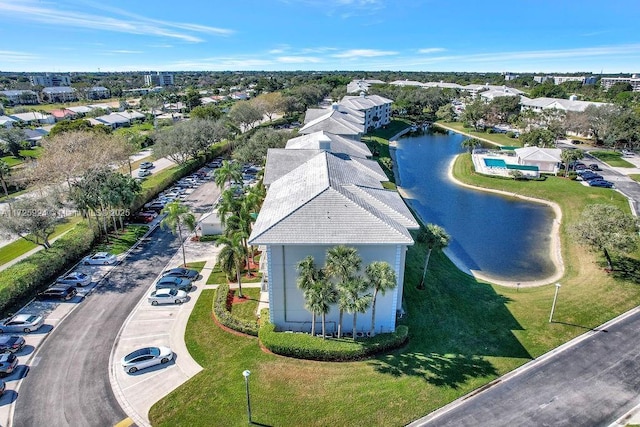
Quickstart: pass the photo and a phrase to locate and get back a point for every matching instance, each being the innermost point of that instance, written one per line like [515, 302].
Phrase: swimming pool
[494, 163]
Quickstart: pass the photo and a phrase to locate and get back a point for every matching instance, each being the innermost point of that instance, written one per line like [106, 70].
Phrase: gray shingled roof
[364, 102]
[337, 144]
[280, 162]
[316, 204]
[335, 122]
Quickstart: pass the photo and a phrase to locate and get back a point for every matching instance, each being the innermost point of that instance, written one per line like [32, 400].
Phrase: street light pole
[553, 306]
[246, 374]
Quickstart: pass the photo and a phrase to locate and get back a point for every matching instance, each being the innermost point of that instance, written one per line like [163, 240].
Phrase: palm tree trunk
[184, 256]
[355, 313]
[239, 275]
[424, 272]
[372, 332]
[609, 262]
[340, 324]
[4, 187]
[323, 330]
[313, 323]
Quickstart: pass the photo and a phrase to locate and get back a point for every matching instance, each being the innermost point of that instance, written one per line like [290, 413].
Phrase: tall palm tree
[569, 156]
[326, 294]
[178, 215]
[436, 238]
[308, 277]
[228, 205]
[352, 300]
[342, 264]
[227, 172]
[381, 278]
[470, 144]
[233, 253]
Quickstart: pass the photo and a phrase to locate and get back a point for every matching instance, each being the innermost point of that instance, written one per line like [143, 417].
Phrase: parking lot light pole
[246, 374]
[553, 306]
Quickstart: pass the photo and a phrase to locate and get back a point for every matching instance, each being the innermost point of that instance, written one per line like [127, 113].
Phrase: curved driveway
[69, 382]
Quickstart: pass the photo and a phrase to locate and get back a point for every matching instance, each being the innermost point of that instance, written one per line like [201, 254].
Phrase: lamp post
[553, 306]
[246, 374]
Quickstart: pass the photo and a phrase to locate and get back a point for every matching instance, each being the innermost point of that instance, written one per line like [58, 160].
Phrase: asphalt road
[592, 383]
[68, 384]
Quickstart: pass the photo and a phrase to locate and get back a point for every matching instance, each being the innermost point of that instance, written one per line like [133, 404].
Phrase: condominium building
[50, 80]
[158, 79]
[634, 81]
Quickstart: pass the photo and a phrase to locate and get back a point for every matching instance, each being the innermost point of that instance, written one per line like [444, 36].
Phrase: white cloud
[123, 52]
[363, 53]
[298, 59]
[14, 56]
[431, 50]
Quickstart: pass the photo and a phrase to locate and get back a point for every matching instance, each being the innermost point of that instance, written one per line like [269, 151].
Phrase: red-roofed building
[63, 113]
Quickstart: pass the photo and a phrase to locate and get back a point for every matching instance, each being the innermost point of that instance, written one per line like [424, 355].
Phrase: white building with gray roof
[376, 109]
[319, 202]
[330, 142]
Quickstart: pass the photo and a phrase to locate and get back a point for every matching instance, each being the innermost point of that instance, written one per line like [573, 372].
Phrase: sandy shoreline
[555, 249]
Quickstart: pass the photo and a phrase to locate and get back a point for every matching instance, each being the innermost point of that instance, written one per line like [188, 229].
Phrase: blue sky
[369, 35]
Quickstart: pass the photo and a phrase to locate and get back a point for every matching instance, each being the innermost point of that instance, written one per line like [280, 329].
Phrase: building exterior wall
[607, 82]
[50, 80]
[286, 301]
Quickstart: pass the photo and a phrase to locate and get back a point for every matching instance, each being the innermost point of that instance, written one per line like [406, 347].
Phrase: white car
[145, 358]
[167, 296]
[21, 323]
[75, 278]
[100, 258]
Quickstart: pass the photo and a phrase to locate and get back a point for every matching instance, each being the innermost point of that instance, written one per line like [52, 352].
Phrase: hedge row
[304, 346]
[224, 316]
[21, 281]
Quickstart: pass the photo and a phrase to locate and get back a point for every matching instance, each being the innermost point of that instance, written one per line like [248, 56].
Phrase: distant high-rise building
[158, 79]
[634, 81]
[50, 80]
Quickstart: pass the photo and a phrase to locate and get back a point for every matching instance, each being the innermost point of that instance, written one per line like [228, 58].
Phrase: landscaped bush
[304, 346]
[511, 134]
[224, 316]
[20, 282]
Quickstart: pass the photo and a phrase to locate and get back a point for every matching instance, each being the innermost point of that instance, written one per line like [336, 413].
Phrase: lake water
[501, 237]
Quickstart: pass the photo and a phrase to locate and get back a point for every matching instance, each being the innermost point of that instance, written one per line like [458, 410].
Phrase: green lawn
[217, 276]
[32, 153]
[612, 158]
[247, 310]
[635, 177]
[198, 265]
[497, 138]
[120, 242]
[463, 334]
[21, 246]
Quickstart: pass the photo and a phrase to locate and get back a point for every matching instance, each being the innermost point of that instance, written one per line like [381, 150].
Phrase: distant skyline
[541, 36]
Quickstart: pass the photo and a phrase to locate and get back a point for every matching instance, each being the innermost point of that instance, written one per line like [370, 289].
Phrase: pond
[501, 237]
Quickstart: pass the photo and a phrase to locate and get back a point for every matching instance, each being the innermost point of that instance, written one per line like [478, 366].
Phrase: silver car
[167, 296]
[146, 357]
[75, 278]
[100, 258]
[21, 323]
[171, 282]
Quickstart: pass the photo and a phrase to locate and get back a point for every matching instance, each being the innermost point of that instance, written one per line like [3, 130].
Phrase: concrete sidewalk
[149, 325]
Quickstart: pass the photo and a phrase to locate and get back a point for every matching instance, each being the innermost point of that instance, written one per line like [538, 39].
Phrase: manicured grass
[21, 246]
[635, 177]
[463, 334]
[247, 310]
[138, 127]
[32, 153]
[217, 276]
[120, 242]
[612, 158]
[198, 265]
[497, 138]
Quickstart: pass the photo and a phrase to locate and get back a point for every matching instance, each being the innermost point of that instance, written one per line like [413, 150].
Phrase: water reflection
[502, 237]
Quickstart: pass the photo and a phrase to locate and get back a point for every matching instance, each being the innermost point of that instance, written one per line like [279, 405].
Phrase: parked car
[146, 357]
[11, 343]
[147, 165]
[174, 283]
[143, 172]
[8, 364]
[3, 387]
[594, 167]
[600, 183]
[61, 292]
[155, 206]
[21, 323]
[75, 278]
[144, 216]
[100, 258]
[167, 296]
[627, 153]
[186, 273]
[589, 175]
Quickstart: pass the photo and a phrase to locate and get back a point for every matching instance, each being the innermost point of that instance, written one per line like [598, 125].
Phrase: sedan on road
[61, 292]
[8, 364]
[167, 296]
[11, 343]
[186, 273]
[21, 323]
[146, 165]
[174, 283]
[146, 357]
[600, 183]
[75, 278]
[143, 172]
[100, 258]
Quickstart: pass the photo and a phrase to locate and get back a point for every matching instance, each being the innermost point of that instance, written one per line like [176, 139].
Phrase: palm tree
[325, 295]
[351, 300]
[381, 278]
[228, 205]
[342, 264]
[436, 238]
[228, 172]
[569, 156]
[233, 253]
[470, 144]
[177, 216]
[308, 276]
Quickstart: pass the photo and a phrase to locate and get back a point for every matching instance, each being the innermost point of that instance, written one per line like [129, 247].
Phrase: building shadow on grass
[455, 323]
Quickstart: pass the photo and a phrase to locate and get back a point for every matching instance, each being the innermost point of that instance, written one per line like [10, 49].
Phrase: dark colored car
[600, 183]
[169, 282]
[144, 217]
[594, 167]
[62, 292]
[11, 343]
[8, 363]
[155, 206]
[187, 273]
[588, 176]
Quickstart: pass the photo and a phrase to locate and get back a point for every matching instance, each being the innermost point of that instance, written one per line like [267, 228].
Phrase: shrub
[21, 281]
[489, 130]
[304, 346]
[511, 134]
[224, 316]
